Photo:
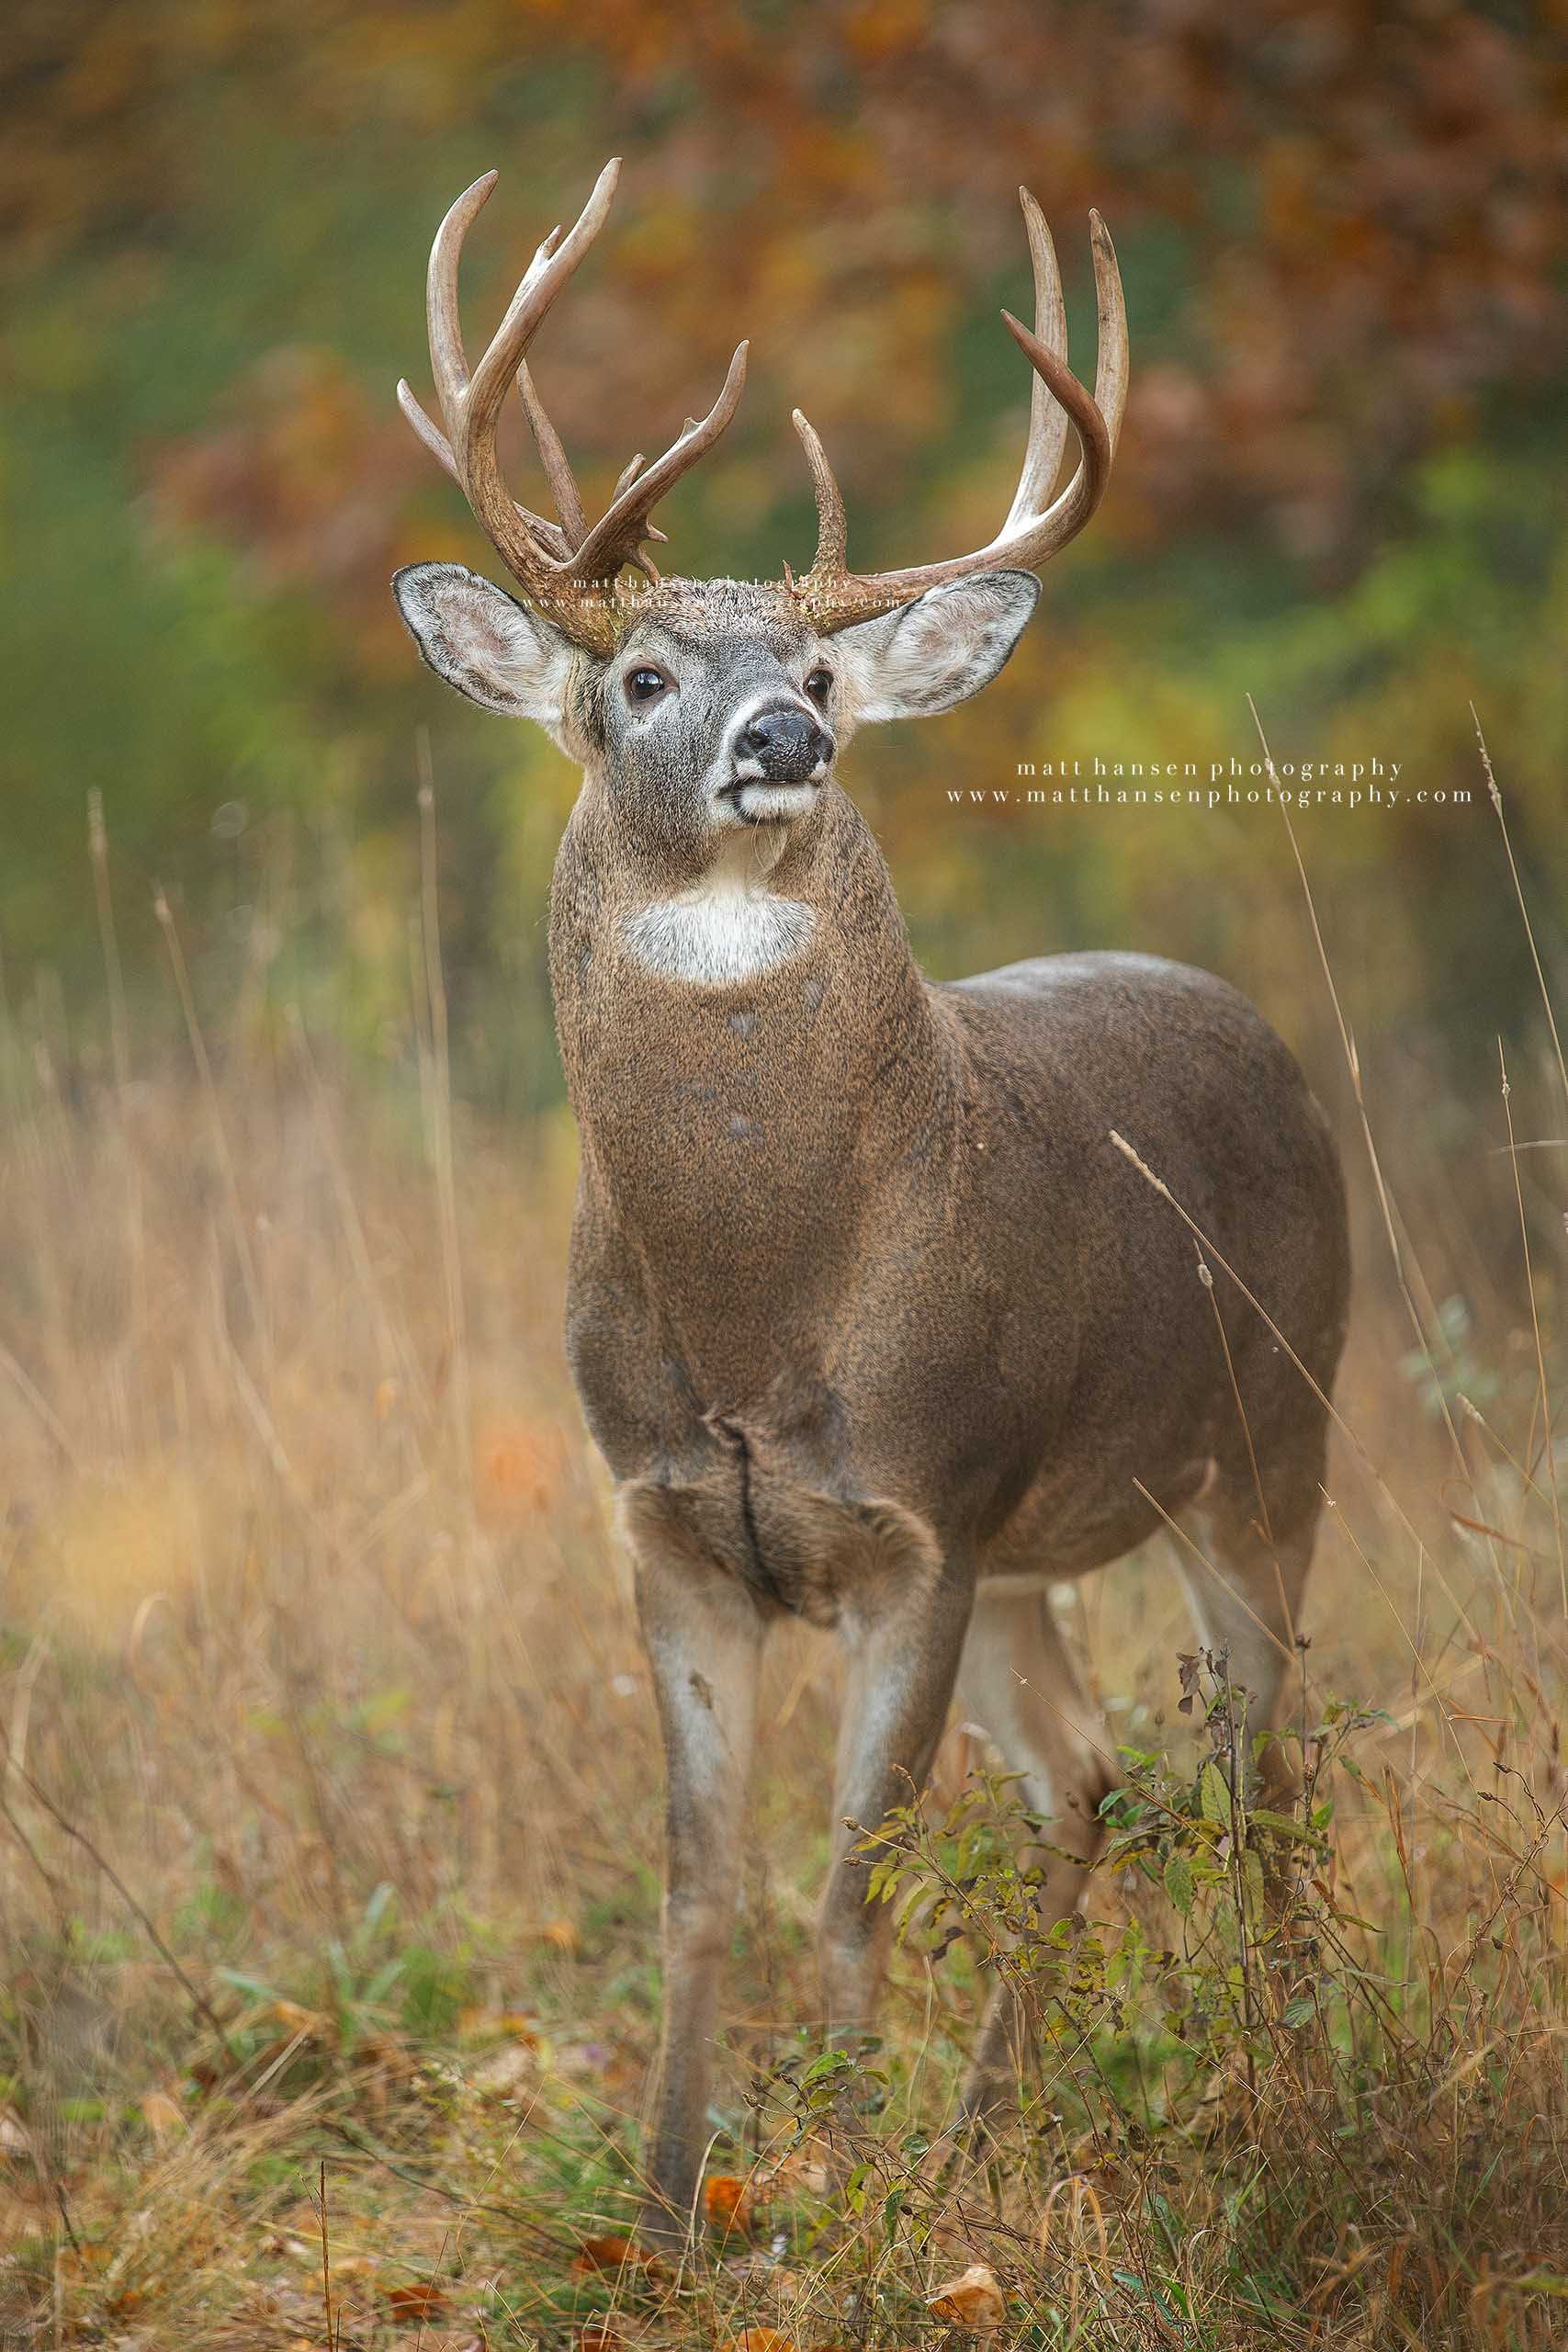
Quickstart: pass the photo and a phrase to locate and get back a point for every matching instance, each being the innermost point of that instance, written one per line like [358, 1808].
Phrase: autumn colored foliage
[1341, 229]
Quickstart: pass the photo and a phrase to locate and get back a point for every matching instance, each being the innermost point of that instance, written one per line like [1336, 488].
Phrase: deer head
[706, 708]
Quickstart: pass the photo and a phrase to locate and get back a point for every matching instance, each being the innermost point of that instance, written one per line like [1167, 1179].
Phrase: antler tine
[434, 440]
[832, 533]
[552, 454]
[573, 528]
[448, 361]
[550, 535]
[1047, 418]
[553, 457]
[555, 262]
[1099, 422]
[628, 475]
[478, 410]
[615, 539]
[1113, 358]
[836, 597]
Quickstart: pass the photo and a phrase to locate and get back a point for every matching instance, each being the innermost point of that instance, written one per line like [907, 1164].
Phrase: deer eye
[646, 686]
[819, 684]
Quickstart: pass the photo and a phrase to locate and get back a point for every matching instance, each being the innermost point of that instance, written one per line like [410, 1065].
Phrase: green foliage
[366, 1983]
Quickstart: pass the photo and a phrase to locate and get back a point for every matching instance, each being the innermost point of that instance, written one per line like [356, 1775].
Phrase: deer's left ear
[939, 650]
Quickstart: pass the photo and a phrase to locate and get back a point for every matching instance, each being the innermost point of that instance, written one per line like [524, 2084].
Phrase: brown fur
[872, 1321]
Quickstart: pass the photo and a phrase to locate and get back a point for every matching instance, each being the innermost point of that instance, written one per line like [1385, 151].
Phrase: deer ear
[939, 650]
[491, 647]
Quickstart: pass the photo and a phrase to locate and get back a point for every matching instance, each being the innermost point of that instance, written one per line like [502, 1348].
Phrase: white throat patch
[730, 926]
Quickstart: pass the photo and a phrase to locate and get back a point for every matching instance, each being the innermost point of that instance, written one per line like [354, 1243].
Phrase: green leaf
[1299, 2012]
[1283, 1826]
[1214, 1796]
[1252, 1881]
[1179, 1884]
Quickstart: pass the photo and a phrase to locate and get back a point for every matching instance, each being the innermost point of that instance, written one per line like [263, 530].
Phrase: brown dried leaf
[973, 2300]
[726, 2200]
[614, 2254]
[416, 2299]
[600, 2335]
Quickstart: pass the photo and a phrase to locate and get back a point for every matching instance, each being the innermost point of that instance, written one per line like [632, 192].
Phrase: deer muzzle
[784, 745]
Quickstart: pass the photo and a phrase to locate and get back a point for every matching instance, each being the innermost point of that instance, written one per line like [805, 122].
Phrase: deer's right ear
[491, 647]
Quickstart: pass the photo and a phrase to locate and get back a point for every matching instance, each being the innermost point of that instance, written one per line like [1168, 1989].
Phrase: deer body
[883, 1250]
[871, 1321]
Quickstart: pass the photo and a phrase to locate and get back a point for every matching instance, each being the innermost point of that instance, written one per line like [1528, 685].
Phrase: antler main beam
[834, 597]
[567, 569]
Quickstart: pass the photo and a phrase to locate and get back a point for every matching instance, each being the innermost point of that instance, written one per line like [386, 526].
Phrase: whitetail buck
[872, 1323]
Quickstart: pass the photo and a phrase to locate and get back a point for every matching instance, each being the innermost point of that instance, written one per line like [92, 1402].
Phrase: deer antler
[567, 569]
[834, 597]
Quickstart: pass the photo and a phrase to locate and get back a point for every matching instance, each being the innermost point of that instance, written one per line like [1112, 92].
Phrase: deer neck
[752, 1056]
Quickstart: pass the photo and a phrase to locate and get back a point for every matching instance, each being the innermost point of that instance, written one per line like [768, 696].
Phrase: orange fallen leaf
[613, 2254]
[973, 2300]
[311, 2025]
[726, 2201]
[518, 2025]
[418, 2299]
[599, 2335]
[758, 2339]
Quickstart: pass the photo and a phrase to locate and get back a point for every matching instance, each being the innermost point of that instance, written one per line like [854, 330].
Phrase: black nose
[787, 744]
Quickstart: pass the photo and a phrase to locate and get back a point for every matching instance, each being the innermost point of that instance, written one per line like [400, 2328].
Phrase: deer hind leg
[1243, 1552]
[1018, 1682]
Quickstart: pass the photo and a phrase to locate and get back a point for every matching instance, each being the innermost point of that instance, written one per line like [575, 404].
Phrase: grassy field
[330, 1810]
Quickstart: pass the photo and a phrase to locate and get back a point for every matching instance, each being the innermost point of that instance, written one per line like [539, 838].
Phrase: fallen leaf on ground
[972, 2300]
[613, 2254]
[758, 2339]
[726, 2200]
[485, 2023]
[418, 2299]
[599, 2335]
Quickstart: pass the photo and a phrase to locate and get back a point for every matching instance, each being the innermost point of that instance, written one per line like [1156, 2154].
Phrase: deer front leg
[703, 1634]
[903, 1659]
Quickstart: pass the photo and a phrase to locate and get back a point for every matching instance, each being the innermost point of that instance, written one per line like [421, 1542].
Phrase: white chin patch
[720, 932]
[770, 804]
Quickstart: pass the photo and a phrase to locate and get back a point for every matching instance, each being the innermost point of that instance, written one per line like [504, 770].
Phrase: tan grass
[307, 1592]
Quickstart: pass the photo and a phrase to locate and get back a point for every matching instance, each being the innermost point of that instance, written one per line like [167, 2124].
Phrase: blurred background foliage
[1341, 228]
